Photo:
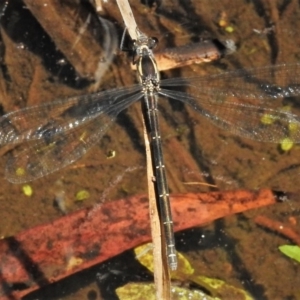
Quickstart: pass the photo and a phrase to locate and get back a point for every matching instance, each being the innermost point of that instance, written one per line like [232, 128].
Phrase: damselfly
[250, 103]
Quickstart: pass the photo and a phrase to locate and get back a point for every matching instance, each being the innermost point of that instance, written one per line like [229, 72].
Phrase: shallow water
[234, 249]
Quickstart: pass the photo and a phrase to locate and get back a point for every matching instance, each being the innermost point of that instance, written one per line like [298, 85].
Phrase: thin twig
[161, 270]
[279, 228]
[128, 18]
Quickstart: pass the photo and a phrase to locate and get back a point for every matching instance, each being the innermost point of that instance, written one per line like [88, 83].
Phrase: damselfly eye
[152, 43]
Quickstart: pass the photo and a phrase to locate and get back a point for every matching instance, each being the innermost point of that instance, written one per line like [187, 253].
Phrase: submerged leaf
[144, 255]
[291, 251]
[82, 195]
[221, 288]
[138, 291]
[186, 273]
[27, 190]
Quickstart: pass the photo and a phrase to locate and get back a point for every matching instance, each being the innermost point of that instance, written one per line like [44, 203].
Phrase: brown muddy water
[236, 250]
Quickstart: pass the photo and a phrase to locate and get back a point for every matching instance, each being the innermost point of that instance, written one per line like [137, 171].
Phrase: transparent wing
[261, 104]
[37, 158]
[49, 119]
